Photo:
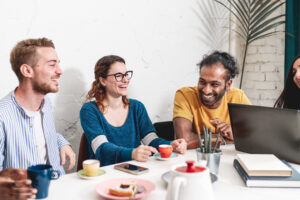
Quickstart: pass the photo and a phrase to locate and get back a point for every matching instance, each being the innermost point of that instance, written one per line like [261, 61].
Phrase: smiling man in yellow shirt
[206, 104]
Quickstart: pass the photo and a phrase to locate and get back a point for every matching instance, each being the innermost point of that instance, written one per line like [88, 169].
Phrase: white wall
[161, 40]
[158, 39]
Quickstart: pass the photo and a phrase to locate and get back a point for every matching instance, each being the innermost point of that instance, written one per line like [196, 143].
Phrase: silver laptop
[258, 129]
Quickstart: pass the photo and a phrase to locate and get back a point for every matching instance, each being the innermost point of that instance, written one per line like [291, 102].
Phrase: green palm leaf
[265, 24]
[254, 4]
[254, 20]
[264, 35]
[239, 19]
[267, 28]
[259, 6]
[239, 8]
[266, 13]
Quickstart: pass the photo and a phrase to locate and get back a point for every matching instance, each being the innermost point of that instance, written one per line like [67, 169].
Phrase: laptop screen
[258, 129]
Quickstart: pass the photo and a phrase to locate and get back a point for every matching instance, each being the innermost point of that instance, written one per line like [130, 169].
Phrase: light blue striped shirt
[18, 147]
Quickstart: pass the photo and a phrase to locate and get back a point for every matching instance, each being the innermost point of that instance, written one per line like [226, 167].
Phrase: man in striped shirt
[27, 131]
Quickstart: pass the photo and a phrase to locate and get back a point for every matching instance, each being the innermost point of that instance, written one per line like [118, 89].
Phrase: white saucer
[82, 174]
[158, 157]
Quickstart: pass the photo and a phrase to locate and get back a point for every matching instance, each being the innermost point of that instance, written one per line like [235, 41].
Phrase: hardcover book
[263, 165]
[269, 181]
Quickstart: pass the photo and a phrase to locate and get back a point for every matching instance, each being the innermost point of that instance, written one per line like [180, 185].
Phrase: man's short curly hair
[228, 61]
[25, 53]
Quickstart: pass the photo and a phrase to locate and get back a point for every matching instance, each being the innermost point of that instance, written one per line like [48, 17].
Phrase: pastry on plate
[124, 190]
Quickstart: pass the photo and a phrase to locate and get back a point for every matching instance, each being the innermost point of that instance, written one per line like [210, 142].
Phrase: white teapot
[189, 182]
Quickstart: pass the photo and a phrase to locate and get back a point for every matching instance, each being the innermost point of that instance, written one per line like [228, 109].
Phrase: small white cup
[91, 167]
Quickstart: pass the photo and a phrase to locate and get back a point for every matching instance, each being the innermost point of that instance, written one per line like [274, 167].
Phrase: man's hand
[142, 153]
[14, 174]
[67, 151]
[179, 146]
[223, 128]
[15, 185]
[184, 129]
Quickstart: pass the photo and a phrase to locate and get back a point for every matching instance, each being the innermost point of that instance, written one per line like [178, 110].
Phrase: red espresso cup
[165, 150]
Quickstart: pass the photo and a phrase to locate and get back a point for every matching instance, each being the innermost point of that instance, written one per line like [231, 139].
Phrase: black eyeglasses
[119, 76]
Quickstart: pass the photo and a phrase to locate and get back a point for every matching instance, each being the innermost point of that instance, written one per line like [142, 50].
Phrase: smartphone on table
[131, 168]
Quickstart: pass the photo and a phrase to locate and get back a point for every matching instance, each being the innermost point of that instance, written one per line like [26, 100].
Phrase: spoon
[139, 190]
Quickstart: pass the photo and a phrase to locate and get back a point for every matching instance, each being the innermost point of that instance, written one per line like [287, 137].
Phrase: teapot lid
[190, 168]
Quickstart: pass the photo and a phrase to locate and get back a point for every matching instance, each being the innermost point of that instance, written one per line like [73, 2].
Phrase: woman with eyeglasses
[290, 96]
[114, 125]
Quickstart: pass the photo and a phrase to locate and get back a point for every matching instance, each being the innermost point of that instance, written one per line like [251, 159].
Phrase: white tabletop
[229, 184]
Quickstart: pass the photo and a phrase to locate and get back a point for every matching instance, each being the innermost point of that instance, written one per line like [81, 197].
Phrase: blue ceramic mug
[40, 176]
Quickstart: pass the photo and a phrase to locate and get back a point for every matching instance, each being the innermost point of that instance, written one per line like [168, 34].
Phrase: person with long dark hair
[115, 126]
[290, 96]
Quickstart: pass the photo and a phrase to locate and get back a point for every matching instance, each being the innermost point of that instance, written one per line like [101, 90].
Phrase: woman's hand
[179, 146]
[142, 153]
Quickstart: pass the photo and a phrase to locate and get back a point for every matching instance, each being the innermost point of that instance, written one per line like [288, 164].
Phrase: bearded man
[27, 131]
[206, 105]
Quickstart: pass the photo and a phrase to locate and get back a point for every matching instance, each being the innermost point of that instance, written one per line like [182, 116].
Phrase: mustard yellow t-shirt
[187, 104]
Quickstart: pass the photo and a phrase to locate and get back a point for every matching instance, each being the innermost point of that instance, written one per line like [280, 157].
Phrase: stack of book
[266, 170]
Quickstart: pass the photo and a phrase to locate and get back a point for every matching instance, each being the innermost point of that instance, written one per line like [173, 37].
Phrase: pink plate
[103, 187]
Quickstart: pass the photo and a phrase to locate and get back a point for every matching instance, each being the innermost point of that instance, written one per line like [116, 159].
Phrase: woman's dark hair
[97, 91]
[290, 96]
[226, 59]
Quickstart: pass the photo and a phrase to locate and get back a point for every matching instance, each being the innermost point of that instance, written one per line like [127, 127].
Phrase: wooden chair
[165, 130]
[83, 153]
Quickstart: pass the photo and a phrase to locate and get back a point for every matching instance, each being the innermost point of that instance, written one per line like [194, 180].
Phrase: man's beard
[217, 97]
[43, 88]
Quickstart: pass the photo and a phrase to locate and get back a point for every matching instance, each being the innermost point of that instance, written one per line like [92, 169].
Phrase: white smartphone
[130, 168]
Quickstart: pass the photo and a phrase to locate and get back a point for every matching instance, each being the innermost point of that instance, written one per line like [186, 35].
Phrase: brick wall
[264, 69]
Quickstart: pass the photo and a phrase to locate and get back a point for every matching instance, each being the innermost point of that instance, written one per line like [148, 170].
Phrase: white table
[228, 187]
